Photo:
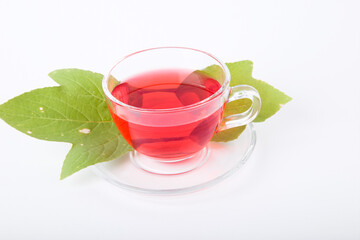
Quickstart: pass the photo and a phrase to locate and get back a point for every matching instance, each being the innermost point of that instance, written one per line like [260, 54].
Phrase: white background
[303, 180]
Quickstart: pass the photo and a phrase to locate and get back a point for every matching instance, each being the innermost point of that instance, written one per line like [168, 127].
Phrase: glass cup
[174, 140]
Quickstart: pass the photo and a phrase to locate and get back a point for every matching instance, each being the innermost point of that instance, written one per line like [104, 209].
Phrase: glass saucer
[224, 160]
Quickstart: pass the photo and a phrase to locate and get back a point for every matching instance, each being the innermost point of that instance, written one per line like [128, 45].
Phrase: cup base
[171, 167]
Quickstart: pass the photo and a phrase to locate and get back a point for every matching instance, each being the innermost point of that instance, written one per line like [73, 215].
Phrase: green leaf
[228, 134]
[74, 112]
[215, 72]
[271, 98]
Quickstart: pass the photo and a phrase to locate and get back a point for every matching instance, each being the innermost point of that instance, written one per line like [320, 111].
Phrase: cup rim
[224, 85]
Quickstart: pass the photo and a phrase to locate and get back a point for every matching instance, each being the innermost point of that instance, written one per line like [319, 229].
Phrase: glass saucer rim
[98, 170]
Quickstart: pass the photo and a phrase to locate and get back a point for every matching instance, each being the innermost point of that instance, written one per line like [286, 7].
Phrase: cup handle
[236, 120]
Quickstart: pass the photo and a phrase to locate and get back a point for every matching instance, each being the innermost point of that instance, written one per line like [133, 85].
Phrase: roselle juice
[170, 130]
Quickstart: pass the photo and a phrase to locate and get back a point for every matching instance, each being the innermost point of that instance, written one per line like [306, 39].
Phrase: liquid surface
[165, 90]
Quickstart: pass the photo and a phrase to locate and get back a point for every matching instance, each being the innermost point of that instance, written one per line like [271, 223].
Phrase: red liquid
[166, 135]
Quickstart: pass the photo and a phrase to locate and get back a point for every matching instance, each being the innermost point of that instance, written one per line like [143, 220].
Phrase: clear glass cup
[174, 140]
